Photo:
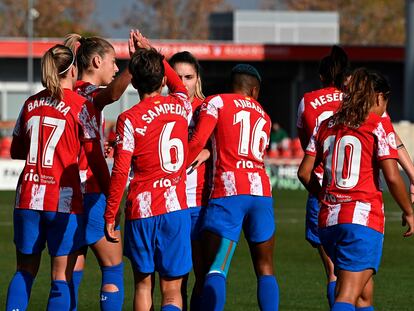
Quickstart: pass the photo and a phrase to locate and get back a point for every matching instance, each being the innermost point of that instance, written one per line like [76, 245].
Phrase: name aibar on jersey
[48, 101]
[164, 109]
[326, 98]
[244, 103]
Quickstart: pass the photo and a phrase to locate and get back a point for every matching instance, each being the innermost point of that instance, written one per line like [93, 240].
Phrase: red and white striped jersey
[152, 140]
[199, 180]
[51, 132]
[240, 131]
[315, 107]
[88, 180]
[351, 185]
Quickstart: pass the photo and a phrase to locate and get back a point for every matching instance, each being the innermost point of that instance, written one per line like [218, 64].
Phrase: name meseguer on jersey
[51, 102]
[244, 103]
[327, 98]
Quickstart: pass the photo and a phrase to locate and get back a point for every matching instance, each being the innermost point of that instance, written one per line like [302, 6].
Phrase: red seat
[5, 144]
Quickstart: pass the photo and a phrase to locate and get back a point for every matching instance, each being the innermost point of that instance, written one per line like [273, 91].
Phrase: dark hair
[332, 67]
[185, 57]
[188, 58]
[86, 49]
[147, 70]
[361, 94]
[245, 77]
[55, 64]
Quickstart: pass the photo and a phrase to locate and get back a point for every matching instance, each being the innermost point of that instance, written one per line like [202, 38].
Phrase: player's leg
[220, 253]
[65, 239]
[330, 275]
[144, 284]
[139, 239]
[221, 226]
[365, 301]
[29, 238]
[173, 256]
[20, 286]
[199, 268]
[259, 228]
[356, 253]
[109, 257]
[171, 294]
[62, 269]
[108, 254]
[349, 287]
[312, 236]
[77, 277]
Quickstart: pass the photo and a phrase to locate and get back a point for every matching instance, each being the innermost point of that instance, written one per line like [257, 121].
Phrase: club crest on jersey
[392, 141]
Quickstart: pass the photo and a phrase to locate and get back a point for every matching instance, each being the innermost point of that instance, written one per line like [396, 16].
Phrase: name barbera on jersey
[326, 98]
[245, 103]
[51, 102]
[159, 109]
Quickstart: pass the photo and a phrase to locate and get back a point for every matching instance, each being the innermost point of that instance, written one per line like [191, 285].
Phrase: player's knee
[264, 268]
[112, 278]
[221, 263]
[110, 288]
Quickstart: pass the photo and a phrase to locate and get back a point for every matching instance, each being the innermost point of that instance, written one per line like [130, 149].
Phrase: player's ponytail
[188, 58]
[86, 48]
[333, 66]
[55, 64]
[358, 100]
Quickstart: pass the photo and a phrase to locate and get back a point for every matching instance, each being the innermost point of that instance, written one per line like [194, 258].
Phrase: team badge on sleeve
[391, 140]
[89, 129]
[212, 106]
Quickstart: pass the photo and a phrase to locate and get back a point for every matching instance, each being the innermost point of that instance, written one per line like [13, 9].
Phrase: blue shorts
[64, 233]
[196, 215]
[227, 216]
[94, 207]
[312, 214]
[352, 247]
[160, 243]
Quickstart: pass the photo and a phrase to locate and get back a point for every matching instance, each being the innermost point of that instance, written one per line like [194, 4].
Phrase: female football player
[198, 177]
[315, 107]
[52, 126]
[353, 145]
[97, 82]
[152, 139]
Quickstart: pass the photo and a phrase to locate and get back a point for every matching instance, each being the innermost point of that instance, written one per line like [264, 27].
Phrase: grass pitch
[298, 268]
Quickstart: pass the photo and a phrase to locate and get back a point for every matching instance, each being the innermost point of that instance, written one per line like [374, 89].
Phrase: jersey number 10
[346, 155]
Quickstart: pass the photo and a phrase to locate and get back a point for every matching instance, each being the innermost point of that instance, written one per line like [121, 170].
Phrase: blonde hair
[198, 89]
[55, 65]
[86, 48]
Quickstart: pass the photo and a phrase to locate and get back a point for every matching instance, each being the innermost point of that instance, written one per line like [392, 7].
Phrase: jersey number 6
[171, 150]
